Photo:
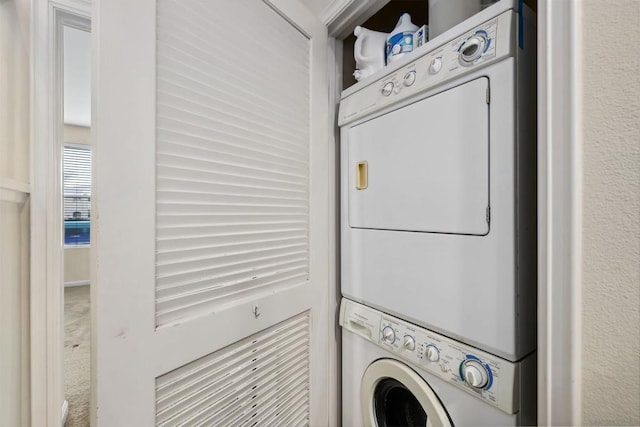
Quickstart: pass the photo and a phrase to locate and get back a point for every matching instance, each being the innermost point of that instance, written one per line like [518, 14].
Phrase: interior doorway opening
[75, 199]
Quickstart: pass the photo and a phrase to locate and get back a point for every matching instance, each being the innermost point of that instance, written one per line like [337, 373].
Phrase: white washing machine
[438, 184]
[395, 373]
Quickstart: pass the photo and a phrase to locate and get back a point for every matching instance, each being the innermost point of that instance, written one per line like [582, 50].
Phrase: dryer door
[392, 394]
[425, 166]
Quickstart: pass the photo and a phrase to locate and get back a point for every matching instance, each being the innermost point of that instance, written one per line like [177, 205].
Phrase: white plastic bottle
[368, 51]
[400, 40]
[445, 14]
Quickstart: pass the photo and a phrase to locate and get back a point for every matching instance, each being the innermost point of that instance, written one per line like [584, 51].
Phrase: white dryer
[397, 374]
[438, 195]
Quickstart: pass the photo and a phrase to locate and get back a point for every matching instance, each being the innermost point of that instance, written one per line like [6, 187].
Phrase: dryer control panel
[482, 374]
[487, 43]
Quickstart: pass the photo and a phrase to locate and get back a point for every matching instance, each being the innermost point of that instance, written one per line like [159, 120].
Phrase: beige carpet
[77, 341]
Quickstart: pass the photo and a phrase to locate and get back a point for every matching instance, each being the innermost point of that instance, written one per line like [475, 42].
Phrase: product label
[421, 36]
[399, 44]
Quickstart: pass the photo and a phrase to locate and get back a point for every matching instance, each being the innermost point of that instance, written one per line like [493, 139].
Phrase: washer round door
[392, 394]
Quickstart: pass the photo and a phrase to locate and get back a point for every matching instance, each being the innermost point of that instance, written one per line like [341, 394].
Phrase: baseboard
[65, 412]
[77, 283]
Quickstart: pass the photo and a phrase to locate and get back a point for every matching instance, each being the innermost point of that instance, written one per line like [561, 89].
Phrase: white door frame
[48, 17]
[559, 212]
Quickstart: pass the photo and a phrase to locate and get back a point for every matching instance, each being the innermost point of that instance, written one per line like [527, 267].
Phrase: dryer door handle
[362, 175]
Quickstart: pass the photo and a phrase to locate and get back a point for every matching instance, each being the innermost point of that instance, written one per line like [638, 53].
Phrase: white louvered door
[210, 227]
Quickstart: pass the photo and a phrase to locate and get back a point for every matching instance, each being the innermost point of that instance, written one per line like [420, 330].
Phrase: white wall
[14, 212]
[77, 77]
[76, 259]
[77, 264]
[611, 213]
[14, 89]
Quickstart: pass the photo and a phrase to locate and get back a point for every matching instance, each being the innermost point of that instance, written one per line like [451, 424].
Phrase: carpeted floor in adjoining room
[77, 362]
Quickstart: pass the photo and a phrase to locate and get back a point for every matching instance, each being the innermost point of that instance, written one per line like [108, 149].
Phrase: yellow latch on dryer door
[362, 180]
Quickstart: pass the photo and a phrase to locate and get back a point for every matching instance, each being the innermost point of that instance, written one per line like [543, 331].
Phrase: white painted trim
[13, 191]
[341, 16]
[334, 295]
[77, 145]
[46, 306]
[13, 195]
[334, 10]
[65, 412]
[559, 212]
[13, 185]
[76, 283]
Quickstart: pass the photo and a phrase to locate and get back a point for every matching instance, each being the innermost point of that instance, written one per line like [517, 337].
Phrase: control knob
[474, 373]
[473, 48]
[387, 89]
[409, 78]
[409, 343]
[433, 355]
[436, 65]
[388, 335]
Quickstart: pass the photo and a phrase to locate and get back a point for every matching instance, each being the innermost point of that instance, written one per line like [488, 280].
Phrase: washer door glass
[393, 394]
[395, 405]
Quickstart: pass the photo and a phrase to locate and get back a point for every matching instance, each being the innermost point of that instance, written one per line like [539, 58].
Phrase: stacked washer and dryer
[438, 230]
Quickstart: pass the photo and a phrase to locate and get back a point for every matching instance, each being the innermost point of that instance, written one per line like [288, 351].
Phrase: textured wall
[611, 213]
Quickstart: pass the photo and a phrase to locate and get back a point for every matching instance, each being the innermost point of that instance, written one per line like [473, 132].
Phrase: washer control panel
[482, 374]
[489, 42]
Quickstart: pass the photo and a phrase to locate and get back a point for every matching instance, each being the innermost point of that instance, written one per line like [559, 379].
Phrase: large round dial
[474, 373]
[388, 335]
[472, 48]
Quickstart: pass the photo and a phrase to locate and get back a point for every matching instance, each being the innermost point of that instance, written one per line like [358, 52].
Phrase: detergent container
[400, 40]
[368, 52]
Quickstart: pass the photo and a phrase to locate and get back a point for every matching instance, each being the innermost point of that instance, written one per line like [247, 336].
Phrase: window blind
[77, 195]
